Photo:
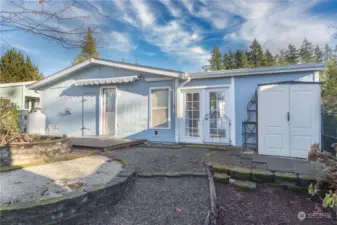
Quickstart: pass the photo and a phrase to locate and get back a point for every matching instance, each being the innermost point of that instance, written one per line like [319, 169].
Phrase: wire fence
[329, 130]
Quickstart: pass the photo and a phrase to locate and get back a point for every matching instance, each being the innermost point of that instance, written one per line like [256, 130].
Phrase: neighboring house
[108, 98]
[24, 98]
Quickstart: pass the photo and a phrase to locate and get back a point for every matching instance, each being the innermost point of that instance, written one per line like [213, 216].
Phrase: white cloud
[119, 42]
[277, 24]
[143, 12]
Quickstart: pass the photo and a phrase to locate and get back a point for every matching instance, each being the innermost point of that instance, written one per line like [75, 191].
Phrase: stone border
[171, 174]
[280, 179]
[68, 208]
[16, 154]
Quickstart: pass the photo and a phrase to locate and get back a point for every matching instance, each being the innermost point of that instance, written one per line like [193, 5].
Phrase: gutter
[188, 79]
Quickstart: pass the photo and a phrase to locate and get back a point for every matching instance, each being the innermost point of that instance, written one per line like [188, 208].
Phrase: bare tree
[52, 19]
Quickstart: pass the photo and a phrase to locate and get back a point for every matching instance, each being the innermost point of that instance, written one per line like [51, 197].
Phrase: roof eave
[222, 74]
[65, 72]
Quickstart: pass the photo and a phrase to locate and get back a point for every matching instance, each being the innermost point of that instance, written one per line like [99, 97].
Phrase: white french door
[204, 117]
[216, 122]
[191, 124]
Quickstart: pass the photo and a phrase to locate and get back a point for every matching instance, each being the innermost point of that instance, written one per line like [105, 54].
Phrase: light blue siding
[208, 82]
[245, 87]
[132, 106]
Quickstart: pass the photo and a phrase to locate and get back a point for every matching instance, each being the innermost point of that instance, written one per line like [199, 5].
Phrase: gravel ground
[265, 206]
[154, 201]
[52, 179]
[149, 159]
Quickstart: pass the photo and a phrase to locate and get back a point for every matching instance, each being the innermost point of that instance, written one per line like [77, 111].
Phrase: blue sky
[180, 34]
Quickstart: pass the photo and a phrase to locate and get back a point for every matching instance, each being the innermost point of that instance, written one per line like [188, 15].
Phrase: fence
[329, 130]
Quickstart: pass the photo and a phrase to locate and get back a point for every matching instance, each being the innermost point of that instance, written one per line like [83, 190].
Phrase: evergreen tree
[256, 58]
[238, 59]
[231, 56]
[329, 90]
[14, 67]
[282, 58]
[327, 52]
[318, 54]
[226, 61]
[334, 54]
[88, 48]
[216, 61]
[306, 51]
[244, 60]
[269, 58]
[291, 56]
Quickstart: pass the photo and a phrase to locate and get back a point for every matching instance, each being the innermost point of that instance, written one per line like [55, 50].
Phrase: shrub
[9, 117]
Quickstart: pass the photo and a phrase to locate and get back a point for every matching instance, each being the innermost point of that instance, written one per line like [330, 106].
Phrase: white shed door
[273, 127]
[304, 118]
[288, 119]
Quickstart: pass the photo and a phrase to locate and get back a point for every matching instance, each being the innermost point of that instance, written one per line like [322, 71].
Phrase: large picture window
[160, 108]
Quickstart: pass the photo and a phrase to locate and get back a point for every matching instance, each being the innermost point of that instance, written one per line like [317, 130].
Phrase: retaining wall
[26, 153]
[69, 208]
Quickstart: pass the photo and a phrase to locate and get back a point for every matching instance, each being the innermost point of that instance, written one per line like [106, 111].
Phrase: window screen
[160, 112]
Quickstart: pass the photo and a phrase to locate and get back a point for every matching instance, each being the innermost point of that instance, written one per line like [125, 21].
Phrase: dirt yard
[267, 206]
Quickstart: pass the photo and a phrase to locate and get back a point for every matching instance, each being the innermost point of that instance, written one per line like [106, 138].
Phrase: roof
[17, 84]
[96, 61]
[291, 82]
[259, 71]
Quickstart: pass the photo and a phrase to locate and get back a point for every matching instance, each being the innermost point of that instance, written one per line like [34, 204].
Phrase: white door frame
[180, 116]
[207, 138]
[101, 109]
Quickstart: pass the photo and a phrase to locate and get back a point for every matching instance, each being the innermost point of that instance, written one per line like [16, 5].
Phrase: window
[160, 108]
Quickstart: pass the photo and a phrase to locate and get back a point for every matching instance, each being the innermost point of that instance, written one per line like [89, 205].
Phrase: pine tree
[318, 54]
[329, 90]
[256, 58]
[238, 59]
[327, 52]
[231, 56]
[215, 61]
[14, 67]
[334, 54]
[291, 56]
[88, 48]
[306, 51]
[269, 58]
[226, 61]
[244, 60]
[282, 58]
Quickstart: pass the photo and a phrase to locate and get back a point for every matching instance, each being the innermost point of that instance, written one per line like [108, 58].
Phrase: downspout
[177, 99]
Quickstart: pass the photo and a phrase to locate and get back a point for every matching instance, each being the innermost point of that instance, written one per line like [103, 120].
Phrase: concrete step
[242, 184]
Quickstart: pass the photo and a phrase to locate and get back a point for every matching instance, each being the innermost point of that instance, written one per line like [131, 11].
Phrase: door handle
[288, 116]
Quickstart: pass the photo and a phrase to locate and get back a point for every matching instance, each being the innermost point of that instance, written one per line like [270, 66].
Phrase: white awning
[114, 80]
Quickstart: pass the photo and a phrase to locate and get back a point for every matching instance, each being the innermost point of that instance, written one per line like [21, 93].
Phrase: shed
[289, 118]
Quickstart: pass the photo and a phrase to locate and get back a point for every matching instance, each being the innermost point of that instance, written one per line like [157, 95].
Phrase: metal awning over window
[114, 80]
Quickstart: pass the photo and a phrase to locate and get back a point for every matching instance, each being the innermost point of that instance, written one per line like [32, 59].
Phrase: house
[107, 98]
[24, 98]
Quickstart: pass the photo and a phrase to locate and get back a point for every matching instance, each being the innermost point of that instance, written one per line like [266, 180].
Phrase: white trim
[259, 71]
[157, 79]
[232, 116]
[205, 87]
[176, 111]
[169, 108]
[100, 113]
[316, 76]
[115, 64]
[17, 84]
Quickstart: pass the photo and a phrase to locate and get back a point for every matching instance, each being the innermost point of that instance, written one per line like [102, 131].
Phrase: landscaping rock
[262, 176]
[144, 174]
[221, 168]
[240, 173]
[221, 178]
[280, 177]
[172, 174]
[305, 180]
[245, 185]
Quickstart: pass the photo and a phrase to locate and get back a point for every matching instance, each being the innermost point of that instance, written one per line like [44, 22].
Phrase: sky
[180, 34]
